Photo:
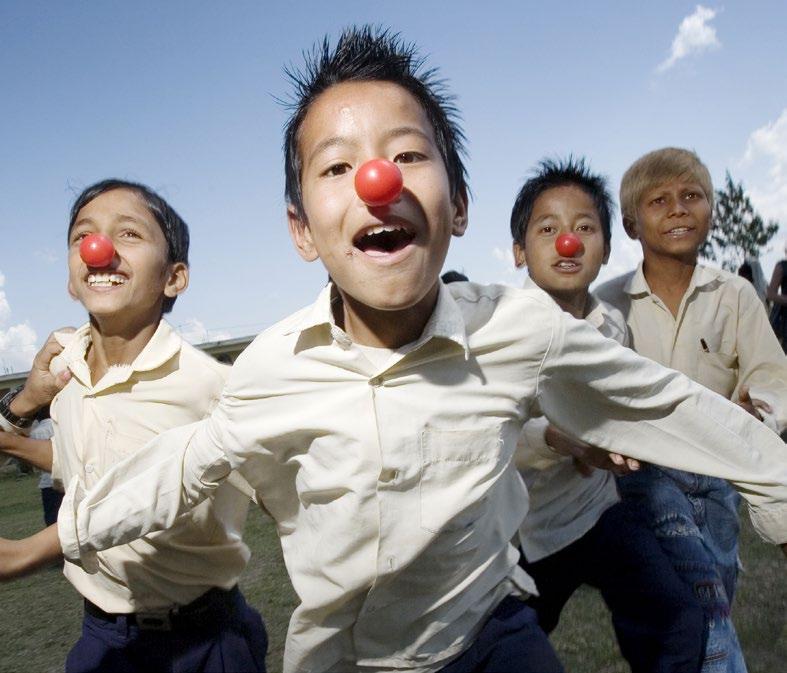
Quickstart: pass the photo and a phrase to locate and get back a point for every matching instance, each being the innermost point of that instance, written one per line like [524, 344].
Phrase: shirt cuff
[771, 522]
[68, 532]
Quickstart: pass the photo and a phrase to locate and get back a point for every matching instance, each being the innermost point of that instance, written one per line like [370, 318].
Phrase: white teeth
[105, 279]
[679, 230]
[566, 265]
[380, 228]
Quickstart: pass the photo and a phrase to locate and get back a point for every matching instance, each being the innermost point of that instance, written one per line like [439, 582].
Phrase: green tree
[737, 230]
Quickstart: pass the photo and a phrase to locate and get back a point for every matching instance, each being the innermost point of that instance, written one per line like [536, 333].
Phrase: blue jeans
[511, 640]
[696, 521]
[658, 622]
[231, 637]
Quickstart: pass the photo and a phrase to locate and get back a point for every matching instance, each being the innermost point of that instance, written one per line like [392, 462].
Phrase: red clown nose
[568, 245]
[378, 182]
[97, 250]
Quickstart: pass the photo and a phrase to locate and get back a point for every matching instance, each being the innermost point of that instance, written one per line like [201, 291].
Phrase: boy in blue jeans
[378, 425]
[710, 325]
[577, 531]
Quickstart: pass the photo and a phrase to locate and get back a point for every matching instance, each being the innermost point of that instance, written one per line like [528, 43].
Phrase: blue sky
[182, 96]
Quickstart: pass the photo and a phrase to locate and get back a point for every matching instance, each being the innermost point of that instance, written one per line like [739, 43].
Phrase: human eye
[409, 157]
[659, 200]
[77, 236]
[586, 228]
[339, 168]
[547, 229]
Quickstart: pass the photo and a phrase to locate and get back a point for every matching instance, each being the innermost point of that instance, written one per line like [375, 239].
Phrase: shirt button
[388, 475]
[88, 467]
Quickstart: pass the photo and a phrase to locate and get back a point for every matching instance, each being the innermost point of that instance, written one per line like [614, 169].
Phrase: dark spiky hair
[552, 173]
[364, 54]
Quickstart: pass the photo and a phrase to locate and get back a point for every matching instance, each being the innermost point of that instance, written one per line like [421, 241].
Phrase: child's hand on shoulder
[47, 378]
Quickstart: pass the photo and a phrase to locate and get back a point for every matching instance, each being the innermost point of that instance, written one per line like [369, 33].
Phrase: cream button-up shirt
[393, 487]
[721, 336]
[96, 427]
[564, 504]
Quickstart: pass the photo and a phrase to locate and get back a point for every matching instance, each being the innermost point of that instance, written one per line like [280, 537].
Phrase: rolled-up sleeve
[623, 402]
[145, 492]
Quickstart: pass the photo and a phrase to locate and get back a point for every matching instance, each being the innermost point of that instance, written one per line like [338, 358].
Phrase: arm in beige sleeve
[628, 404]
[146, 492]
[37, 452]
[762, 365]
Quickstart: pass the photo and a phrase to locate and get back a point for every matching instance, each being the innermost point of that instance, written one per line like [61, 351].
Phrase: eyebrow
[117, 220]
[345, 141]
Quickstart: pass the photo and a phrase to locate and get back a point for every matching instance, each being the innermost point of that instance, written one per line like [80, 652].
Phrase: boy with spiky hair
[168, 601]
[710, 325]
[378, 425]
[577, 531]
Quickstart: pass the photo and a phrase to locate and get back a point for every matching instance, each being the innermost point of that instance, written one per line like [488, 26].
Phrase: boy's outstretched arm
[625, 403]
[37, 452]
[22, 557]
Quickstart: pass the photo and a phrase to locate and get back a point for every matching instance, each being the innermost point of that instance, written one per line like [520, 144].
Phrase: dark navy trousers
[657, 619]
[511, 641]
[231, 638]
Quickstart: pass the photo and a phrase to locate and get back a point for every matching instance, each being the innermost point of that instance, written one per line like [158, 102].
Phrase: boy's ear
[301, 235]
[71, 292]
[177, 281]
[459, 224]
[519, 255]
[631, 228]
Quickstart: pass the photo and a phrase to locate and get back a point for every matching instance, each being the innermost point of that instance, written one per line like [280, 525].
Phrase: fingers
[762, 405]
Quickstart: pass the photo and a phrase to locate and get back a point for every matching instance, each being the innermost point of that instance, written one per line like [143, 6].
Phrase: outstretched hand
[46, 379]
[587, 457]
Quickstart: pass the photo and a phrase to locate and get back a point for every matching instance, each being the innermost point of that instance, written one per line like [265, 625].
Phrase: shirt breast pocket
[719, 372]
[118, 447]
[457, 469]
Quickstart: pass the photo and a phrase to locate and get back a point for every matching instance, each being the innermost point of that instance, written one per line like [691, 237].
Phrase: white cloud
[195, 332]
[47, 256]
[17, 342]
[763, 171]
[765, 162]
[506, 271]
[694, 36]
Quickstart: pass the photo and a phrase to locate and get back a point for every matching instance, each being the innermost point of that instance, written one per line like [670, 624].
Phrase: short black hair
[365, 54]
[453, 277]
[175, 230]
[560, 173]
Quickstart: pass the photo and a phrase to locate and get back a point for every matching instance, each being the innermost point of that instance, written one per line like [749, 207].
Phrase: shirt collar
[594, 313]
[446, 321]
[702, 275]
[163, 345]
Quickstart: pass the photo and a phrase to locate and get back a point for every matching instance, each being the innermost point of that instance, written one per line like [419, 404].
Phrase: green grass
[40, 615]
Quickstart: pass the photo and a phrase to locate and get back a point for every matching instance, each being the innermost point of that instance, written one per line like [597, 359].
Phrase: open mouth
[566, 265]
[105, 280]
[679, 231]
[383, 239]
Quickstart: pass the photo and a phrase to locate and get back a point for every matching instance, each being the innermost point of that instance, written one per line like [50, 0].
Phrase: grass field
[40, 616]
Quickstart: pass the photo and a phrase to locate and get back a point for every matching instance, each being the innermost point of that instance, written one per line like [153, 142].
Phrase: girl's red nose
[378, 182]
[97, 250]
[568, 245]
